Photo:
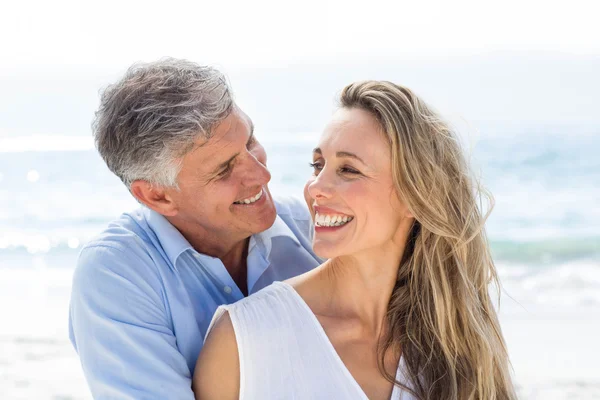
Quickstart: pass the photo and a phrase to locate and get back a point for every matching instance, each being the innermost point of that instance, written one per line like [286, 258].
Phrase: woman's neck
[360, 285]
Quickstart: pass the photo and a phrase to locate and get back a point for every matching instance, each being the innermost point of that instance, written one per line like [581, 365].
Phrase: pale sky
[115, 33]
[286, 60]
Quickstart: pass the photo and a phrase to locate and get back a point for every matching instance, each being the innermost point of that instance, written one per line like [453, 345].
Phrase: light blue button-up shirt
[142, 298]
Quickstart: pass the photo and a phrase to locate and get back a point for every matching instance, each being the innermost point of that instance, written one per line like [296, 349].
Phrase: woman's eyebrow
[347, 154]
[341, 154]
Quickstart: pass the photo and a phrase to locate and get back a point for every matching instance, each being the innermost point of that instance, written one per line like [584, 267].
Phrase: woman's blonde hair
[441, 316]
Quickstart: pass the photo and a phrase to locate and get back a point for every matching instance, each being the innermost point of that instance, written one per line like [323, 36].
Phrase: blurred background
[520, 81]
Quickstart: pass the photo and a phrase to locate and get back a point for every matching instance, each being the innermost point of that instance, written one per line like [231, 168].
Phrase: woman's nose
[321, 187]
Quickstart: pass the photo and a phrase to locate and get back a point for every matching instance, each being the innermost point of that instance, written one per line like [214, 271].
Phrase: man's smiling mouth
[251, 199]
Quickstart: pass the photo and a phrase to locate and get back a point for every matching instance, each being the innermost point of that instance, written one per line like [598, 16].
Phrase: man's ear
[154, 197]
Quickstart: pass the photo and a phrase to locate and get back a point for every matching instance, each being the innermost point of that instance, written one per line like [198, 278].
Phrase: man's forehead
[226, 142]
[236, 127]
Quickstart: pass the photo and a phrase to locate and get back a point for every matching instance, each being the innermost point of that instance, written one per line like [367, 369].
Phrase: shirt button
[227, 289]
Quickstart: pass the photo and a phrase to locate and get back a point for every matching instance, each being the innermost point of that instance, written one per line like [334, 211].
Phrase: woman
[401, 307]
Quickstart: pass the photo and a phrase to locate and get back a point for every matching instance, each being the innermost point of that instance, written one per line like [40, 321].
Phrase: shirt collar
[170, 239]
[174, 244]
[259, 249]
[264, 240]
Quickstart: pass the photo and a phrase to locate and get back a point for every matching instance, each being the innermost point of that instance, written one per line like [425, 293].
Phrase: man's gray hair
[151, 118]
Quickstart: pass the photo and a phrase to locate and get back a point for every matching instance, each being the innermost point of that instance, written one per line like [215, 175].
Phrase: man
[208, 232]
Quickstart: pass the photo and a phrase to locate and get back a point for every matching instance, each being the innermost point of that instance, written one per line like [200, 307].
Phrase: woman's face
[351, 193]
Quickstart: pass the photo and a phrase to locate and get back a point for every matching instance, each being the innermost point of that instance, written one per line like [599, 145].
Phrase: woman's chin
[327, 250]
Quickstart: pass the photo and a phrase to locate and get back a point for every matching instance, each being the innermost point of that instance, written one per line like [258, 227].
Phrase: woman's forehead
[353, 130]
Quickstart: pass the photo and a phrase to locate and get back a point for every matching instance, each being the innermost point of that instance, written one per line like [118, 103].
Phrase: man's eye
[225, 171]
[251, 142]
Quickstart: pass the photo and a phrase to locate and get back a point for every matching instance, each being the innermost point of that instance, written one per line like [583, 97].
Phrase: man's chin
[266, 221]
[260, 216]
[272, 219]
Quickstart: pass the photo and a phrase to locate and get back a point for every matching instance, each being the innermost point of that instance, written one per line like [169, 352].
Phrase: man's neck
[236, 264]
[233, 254]
[234, 259]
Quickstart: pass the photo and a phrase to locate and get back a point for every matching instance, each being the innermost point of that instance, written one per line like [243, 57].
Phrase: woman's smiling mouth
[330, 220]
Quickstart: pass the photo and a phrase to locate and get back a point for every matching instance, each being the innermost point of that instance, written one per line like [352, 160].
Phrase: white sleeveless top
[285, 353]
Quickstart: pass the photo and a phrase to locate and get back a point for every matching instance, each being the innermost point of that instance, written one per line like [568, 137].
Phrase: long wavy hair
[441, 316]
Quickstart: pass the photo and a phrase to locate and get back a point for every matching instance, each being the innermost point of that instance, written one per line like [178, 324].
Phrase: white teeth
[328, 220]
[250, 200]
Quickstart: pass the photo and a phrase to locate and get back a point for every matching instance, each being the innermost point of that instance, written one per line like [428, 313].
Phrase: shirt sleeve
[119, 326]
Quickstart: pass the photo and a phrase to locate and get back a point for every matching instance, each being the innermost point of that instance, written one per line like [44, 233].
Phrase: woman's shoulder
[259, 310]
[236, 331]
[267, 296]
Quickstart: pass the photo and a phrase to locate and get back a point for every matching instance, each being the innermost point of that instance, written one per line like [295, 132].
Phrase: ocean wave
[567, 285]
[45, 234]
[543, 252]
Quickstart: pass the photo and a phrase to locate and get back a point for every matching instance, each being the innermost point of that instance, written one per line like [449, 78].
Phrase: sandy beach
[554, 350]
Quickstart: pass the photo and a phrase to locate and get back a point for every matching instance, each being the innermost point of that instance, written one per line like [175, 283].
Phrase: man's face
[223, 185]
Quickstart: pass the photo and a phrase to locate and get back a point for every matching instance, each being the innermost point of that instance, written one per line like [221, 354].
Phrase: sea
[544, 230]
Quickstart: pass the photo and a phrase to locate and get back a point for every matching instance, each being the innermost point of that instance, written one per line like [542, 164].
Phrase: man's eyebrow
[225, 163]
[341, 154]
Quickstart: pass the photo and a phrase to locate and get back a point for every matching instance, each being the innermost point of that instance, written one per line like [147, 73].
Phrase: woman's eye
[348, 170]
[316, 166]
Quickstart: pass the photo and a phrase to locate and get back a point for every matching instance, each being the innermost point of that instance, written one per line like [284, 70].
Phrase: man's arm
[120, 328]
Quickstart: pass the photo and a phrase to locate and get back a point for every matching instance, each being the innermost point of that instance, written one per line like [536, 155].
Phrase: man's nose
[256, 172]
